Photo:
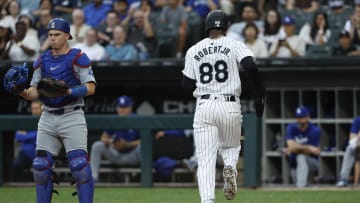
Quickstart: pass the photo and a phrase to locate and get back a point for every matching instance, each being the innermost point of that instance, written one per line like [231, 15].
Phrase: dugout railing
[251, 131]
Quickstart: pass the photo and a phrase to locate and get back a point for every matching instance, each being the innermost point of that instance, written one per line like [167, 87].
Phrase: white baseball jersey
[213, 63]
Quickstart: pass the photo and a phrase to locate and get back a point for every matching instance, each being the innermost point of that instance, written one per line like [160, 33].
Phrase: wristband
[79, 91]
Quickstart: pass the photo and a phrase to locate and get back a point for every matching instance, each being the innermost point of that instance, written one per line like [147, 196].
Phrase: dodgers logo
[52, 25]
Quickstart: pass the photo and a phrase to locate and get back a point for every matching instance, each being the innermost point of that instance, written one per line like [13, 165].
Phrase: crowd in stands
[140, 29]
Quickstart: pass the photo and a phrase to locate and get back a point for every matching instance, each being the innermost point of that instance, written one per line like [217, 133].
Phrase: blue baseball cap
[124, 101]
[288, 20]
[59, 24]
[302, 112]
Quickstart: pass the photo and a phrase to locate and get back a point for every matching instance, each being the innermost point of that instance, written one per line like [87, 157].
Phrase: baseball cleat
[341, 183]
[230, 187]
[190, 164]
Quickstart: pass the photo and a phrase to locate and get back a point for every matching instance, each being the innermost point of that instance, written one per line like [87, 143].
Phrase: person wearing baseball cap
[63, 121]
[303, 146]
[121, 146]
[291, 45]
[59, 24]
[345, 45]
[124, 105]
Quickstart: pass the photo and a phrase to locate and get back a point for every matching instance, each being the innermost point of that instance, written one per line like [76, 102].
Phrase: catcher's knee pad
[357, 153]
[81, 172]
[42, 165]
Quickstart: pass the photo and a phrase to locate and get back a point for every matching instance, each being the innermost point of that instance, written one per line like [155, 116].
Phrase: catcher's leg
[81, 172]
[42, 165]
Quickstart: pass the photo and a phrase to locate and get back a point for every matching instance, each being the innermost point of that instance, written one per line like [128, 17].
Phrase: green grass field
[188, 195]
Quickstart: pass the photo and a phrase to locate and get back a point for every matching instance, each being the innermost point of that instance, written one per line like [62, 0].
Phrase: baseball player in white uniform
[211, 73]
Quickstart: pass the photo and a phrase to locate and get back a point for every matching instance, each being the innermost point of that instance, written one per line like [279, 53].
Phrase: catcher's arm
[30, 94]
[85, 89]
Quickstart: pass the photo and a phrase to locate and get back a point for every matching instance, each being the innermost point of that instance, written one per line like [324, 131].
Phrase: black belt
[230, 98]
[63, 111]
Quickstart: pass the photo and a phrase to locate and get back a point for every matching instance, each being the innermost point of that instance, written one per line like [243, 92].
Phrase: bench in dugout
[174, 147]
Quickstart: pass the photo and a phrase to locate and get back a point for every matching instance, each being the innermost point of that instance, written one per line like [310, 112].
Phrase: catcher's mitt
[49, 87]
[260, 102]
[15, 79]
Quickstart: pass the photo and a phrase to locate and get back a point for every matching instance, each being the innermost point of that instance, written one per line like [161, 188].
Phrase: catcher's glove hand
[49, 87]
[260, 102]
[15, 79]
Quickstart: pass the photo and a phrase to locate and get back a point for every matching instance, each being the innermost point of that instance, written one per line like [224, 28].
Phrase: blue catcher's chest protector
[60, 67]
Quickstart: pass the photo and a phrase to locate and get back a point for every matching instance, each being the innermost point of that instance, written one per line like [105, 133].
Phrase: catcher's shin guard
[42, 173]
[81, 172]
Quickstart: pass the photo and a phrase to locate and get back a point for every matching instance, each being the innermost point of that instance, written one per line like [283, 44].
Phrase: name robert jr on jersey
[211, 50]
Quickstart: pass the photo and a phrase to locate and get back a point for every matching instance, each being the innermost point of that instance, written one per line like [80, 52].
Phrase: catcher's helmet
[216, 19]
[59, 24]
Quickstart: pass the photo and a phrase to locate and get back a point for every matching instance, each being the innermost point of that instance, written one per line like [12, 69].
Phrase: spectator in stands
[272, 30]
[201, 8]
[306, 6]
[249, 15]
[23, 47]
[239, 8]
[319, 32]
[11, 18]
[121, 147]
[292, 45]
[95, 13]
[5, 40]
[26, 154]
[28, 20]
[174, 15]
[122, 10]
[345, 47]
[64, 9]
[338, 13]
[78, 28]
[27, 7]
[353, 25]
[256, 45]
[141, 34]
[349, 156]
[147, 7]
[43, 5]
[41, 26]
[105, 31]
[4, 4]
[120, 49]
[91, 47]
[303, 143]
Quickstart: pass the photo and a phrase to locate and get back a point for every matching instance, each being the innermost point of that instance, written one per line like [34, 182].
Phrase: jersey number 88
[206, 72]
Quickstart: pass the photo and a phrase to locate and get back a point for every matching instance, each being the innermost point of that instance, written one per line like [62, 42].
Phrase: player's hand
[286, 151]
[160, 134]
[314, 150]
[120, 144]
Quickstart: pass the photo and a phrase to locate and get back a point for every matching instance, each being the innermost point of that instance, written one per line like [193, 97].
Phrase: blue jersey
[28, 143]
[311, 136]
[128, 135]
[200, 6]
[355, 126]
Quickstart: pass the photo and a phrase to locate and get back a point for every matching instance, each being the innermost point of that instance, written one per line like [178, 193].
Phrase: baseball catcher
[49, 87]
[15, 79]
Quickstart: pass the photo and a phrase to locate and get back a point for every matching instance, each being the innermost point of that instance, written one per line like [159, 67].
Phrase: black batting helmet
[216, 19]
